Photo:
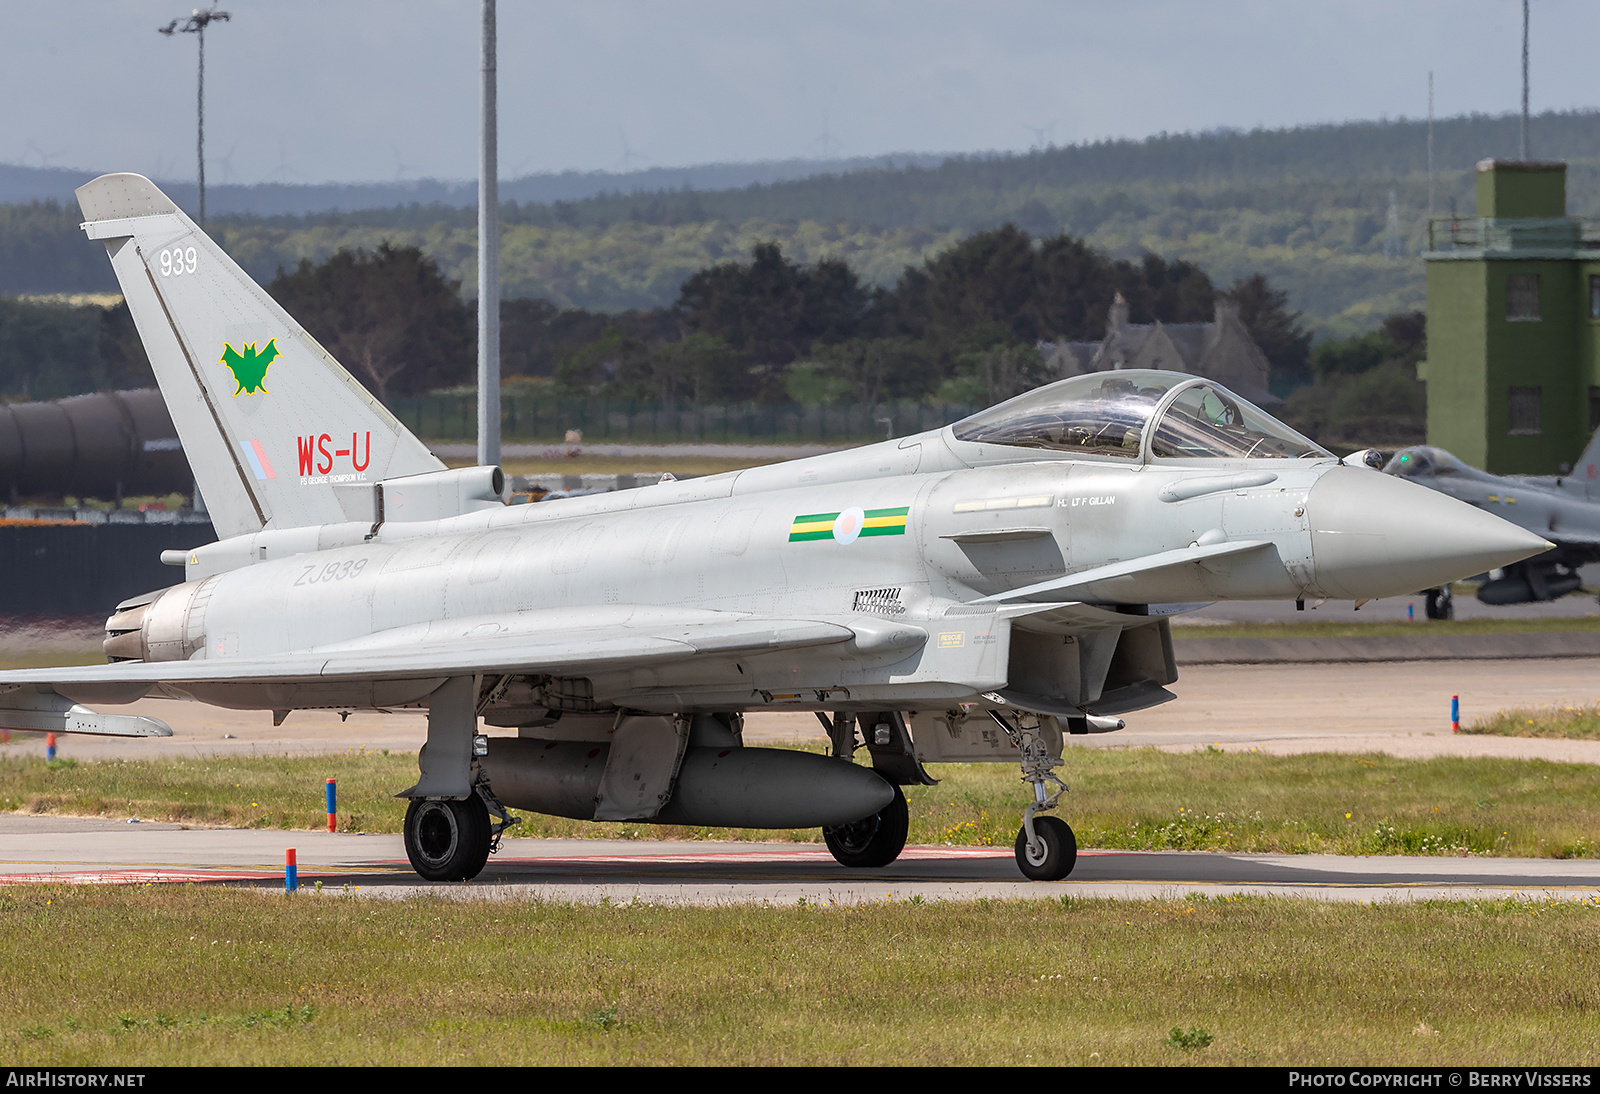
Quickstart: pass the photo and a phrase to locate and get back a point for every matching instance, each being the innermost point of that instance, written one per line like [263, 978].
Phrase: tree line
[962, 326]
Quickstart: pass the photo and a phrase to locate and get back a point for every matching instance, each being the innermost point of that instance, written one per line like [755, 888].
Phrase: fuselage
[729, 542]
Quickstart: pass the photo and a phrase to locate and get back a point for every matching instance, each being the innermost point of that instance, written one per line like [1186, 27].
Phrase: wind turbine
[1039, 132]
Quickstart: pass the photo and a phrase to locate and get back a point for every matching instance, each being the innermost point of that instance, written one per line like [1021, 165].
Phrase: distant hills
[1334, 214]
[21, 184]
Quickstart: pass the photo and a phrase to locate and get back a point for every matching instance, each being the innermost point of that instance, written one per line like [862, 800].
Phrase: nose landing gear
[1046, 848]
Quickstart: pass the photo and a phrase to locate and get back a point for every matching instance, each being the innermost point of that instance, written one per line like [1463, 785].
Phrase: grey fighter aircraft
[1563, 509]
[973, 593]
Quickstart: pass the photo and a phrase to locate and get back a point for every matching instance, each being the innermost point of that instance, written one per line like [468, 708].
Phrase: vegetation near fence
[540, 418]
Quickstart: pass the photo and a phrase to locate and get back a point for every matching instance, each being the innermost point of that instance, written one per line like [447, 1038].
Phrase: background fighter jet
[971, 593]
[1563, 509]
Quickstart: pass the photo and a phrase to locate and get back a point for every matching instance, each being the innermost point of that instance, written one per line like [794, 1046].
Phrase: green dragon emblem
[250, 367]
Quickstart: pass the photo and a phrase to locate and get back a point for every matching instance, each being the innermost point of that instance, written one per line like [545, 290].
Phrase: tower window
[1522, 298]
[1524, 410]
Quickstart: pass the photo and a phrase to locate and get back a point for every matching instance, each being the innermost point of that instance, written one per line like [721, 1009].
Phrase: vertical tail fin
[272, 425]
[1585, 477]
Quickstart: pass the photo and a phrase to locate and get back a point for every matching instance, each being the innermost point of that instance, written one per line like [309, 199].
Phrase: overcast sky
[368, 90]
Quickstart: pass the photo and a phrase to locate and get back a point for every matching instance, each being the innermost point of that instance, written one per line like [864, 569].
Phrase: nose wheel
[448, 840]
[1051, 854]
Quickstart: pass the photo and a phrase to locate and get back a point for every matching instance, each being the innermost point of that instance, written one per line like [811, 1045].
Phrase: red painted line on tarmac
[179, 875]
[131, 877]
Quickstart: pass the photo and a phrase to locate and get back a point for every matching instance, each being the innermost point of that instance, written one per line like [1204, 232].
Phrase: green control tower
[1513, 367]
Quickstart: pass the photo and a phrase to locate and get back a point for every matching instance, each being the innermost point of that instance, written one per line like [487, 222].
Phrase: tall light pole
[196, 24]
[1524, 80]
[1430, 152]
[488, 256]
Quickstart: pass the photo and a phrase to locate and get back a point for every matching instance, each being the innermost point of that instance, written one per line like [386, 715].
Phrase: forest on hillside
[1333, 215]
[966, 327]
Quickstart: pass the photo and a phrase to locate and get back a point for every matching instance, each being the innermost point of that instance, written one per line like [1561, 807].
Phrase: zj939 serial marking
[333, 571]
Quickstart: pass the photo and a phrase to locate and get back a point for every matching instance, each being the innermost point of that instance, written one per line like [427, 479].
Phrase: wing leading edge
[553, 642]
[487, 645]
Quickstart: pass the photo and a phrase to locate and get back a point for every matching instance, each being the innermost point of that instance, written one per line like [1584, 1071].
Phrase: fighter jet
[1563, 509]
[974, 593]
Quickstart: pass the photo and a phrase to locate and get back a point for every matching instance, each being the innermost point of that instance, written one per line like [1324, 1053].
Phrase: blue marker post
[1411, 613]
[333, 804]
[291, 872]
[1455, 714]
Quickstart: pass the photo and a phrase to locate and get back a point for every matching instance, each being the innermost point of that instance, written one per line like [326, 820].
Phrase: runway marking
[132, 877]
[1518, 887]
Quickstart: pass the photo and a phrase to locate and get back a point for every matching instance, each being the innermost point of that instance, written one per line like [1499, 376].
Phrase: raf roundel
[848, 524]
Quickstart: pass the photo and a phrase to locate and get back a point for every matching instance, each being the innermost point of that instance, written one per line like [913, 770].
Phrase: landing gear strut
[449, 832]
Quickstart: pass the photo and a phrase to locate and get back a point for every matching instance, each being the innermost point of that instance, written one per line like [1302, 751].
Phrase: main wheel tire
[1440, 604]
[871, 841]
[447, 840]
[1055, 855]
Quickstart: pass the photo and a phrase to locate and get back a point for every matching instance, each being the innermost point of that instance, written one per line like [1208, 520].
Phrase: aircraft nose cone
[1376, 535]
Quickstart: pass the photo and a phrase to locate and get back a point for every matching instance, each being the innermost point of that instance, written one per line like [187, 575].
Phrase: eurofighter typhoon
[974, 593]
[1565, 509]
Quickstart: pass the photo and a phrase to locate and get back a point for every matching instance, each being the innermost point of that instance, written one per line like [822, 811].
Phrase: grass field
[1422, 628]
[1573, 723]
[1141, 799]
[212, 975]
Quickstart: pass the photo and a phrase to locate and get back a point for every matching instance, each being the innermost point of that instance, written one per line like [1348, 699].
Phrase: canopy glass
[1110, 414]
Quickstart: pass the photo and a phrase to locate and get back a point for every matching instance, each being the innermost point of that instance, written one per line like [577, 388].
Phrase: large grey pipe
[107, 445]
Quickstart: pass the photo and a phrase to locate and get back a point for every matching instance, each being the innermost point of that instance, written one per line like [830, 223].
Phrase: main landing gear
[1439, 603]
[451, 840]
[872, 841]
[447, 840]
[876, 840]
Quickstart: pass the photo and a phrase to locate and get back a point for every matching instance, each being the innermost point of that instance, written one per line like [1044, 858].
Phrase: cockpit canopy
[1111, 414]
[1423, 460]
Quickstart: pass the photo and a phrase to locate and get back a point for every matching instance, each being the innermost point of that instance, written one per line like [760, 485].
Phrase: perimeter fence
[529, 419]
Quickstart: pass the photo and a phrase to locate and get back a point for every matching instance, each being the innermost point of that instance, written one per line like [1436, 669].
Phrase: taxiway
[63, 850]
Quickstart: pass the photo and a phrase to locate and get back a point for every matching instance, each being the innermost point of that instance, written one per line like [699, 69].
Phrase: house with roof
[1221, 350]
